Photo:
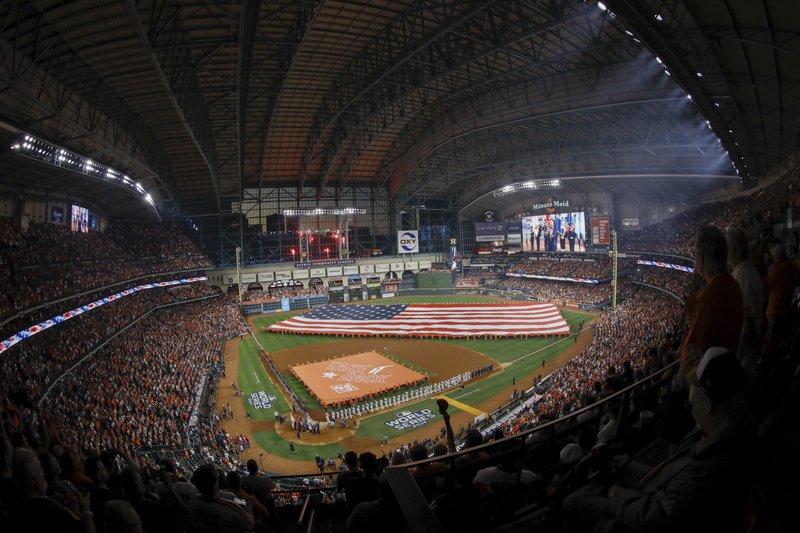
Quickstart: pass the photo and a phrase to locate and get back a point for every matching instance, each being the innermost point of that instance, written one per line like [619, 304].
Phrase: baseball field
[516, 362]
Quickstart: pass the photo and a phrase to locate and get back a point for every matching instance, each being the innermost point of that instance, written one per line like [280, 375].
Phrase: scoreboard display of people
[554, 232]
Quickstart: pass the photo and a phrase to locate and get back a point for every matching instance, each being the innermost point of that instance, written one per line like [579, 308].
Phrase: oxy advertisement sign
[408, 241]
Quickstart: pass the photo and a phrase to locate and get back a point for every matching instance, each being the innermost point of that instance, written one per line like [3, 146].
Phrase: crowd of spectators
[31, 365]
[46, 486]
[47, 262]
[474, 279]
[755, 213]
[678, 282]
[134, 399]
[595, 267]
[138, 390]
[554, 291]
[276, 293]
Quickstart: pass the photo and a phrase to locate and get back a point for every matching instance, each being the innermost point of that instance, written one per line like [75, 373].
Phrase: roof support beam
[205, 146]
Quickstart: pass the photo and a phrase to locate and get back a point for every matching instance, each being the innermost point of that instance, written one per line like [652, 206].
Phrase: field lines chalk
[503, 365]
[463, 406]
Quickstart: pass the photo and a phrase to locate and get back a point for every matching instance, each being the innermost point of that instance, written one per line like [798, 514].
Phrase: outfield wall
[298, 303]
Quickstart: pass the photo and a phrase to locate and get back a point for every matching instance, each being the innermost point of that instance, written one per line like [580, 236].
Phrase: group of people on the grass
[390, 400]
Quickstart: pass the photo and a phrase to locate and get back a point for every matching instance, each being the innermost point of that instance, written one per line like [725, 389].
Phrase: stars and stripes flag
[429, 320]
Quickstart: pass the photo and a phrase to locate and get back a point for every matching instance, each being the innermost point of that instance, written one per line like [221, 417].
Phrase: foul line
[256, 375]
[542, 348]
[463, 406]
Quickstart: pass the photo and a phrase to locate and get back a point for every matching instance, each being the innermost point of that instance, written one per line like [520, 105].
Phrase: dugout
[373, 287]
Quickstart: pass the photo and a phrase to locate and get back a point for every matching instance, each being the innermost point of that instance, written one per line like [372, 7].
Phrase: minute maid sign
[408, 241]
[410, 419]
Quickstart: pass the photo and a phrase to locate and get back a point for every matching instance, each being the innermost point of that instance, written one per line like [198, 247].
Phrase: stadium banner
[383, 267]
[660, 264]
[425, 264]
[349, 270]
[601, 230]
[230, 279]
[300, 274]
[286, 304]
[283, 274]
[514, 233]
[41, 326]
[317, 272]
[514, 227]
[408, 241]
[249, 278]
[334, 271]
[490, 231]
[412, 265]
[387, 295]
[397, 267]
[266, 276]
[367, 269]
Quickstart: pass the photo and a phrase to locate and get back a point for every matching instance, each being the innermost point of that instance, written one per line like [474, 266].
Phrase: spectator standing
[716, 313]
[779, 282]
[746, 275]
[260, 487]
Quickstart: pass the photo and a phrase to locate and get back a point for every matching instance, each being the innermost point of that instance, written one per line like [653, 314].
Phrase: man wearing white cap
[703, 485]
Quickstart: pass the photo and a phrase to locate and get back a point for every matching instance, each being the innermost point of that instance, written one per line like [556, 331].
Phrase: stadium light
[547, 183]
[318, 211]
[45, 152]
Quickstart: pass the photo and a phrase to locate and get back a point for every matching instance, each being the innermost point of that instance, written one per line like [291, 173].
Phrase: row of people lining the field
[389, 401]
[297, 404]
[29, 366]
[46, 262]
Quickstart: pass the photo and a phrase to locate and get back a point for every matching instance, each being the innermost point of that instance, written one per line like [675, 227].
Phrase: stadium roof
[435, 100]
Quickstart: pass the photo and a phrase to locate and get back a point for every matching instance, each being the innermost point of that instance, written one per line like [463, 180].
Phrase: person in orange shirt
[715, 315]
[779, 282]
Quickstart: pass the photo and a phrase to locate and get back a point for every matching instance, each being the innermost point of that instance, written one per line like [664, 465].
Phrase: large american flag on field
[429, 320]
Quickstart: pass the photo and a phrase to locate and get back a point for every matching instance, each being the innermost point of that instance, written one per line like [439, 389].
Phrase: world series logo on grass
[261, 400]
[408, 419]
